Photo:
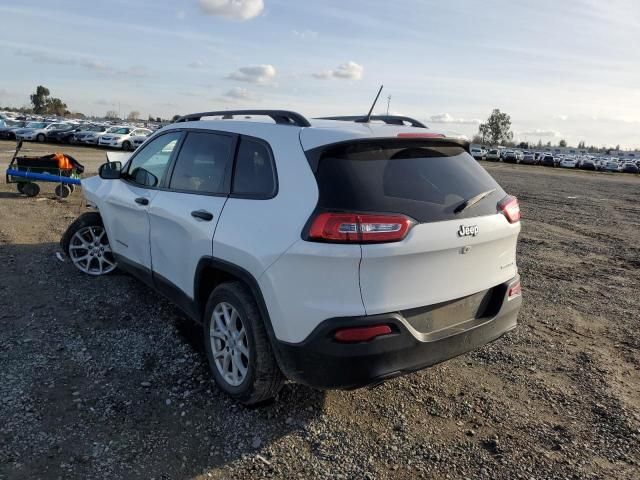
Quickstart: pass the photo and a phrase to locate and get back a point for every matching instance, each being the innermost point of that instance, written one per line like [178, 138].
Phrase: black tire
[31, 189]
[263, 379]
[62, 191]
[72, 187]
[20, 186]
[40, 138]
[126, 145]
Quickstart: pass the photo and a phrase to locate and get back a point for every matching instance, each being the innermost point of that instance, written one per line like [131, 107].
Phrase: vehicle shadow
[115, 383]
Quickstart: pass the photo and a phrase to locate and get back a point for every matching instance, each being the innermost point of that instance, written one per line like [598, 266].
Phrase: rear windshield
[423, 180]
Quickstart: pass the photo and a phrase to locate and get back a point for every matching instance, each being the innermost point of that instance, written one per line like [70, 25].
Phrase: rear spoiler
[314, 154]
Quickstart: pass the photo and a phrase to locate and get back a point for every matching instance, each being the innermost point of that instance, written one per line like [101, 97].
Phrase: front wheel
[40, 138]
[237, 345]
[86, 244]
[126, 146]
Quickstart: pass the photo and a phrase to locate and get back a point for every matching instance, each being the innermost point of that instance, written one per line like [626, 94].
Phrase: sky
[561, 69]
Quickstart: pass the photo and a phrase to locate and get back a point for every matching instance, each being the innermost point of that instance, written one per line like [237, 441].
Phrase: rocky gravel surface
[102, 378]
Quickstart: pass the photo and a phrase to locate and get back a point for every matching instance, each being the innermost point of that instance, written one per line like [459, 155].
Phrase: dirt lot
[102, 378]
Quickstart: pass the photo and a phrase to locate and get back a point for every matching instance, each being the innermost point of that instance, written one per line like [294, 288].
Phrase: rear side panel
[434, 264]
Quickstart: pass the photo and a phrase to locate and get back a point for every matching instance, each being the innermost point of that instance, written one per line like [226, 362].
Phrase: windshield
[122, 131]
[36, 125]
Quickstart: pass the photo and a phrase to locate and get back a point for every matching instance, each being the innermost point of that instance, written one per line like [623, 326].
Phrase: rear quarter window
[425, 181]
[255, 173]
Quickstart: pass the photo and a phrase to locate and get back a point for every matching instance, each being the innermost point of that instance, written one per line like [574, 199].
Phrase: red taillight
[420, 135]
[359, 228]
[515, 290]
[510, 208]
[361, 334]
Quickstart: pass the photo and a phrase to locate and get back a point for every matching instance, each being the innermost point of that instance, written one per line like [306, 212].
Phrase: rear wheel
[30, 189]
[40, 138]
[20, 186]
[238, 349]
[87, 245]
[126, 145]
[62, 191]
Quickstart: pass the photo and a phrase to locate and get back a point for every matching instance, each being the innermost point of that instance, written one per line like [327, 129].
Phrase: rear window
[423, 180]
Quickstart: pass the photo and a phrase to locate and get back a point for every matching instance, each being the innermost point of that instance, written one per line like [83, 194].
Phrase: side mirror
[110, 170]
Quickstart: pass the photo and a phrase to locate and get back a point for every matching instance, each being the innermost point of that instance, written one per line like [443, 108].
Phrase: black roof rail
[282, 117]
[388, 119]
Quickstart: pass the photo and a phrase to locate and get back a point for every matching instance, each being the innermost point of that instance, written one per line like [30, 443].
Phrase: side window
[255, 175]
[149, 165]
[203, 163]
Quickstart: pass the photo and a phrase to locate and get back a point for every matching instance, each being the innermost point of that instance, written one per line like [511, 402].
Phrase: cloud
[305, 33]
[43, 57]
[262, 74]
[237, 94]
[539, 133]
[348, 71]
[564, 118]
[196, 64]
[233, 9]
[446, 118]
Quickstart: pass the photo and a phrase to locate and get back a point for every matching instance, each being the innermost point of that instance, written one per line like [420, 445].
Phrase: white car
[337, 254]
[568, 162]
[478, 153]
[120, 137]
[493, 155]
[37, 131]
[138, 140]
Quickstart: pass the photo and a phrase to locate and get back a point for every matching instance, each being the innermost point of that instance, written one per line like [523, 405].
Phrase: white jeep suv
[334, 253]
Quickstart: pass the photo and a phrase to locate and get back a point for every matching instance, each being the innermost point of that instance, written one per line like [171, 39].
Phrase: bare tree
[133, 115]
[112, 115]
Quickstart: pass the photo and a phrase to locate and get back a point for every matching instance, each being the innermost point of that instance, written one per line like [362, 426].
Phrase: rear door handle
[202, 215]
[142, 201]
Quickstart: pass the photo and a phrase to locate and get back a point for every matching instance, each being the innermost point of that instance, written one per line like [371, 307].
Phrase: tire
[40, 138]
[20, 186]
[126, 145]
[72, 187]
[62, 191]
[86, 244]
[262, 379]
[31, 189]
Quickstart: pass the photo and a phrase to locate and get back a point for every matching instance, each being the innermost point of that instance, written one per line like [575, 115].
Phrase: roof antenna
[367, 119]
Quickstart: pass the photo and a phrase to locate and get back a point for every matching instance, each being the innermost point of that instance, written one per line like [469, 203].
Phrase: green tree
[497, 128]
[39, 99]
[55, 106]
[175, 117]
[563, 143]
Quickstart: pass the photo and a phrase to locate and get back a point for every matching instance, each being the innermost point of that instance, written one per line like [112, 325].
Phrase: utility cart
[57, 167]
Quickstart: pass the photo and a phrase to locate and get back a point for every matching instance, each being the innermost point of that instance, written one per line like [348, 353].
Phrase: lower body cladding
[403, 342]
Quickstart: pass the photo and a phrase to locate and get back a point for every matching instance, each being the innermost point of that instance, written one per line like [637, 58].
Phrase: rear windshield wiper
[472, 201]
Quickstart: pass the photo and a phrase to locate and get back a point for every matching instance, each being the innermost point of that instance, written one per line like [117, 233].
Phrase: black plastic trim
[388, 119]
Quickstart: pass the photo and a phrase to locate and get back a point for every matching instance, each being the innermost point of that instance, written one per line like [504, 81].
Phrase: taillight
[515, 290]
[510, 208]
[359, 228]
[361, 334]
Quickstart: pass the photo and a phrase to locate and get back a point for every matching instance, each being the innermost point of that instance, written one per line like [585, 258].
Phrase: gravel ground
[102, 378]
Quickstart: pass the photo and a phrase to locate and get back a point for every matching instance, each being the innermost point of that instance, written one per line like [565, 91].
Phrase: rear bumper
[321, 362]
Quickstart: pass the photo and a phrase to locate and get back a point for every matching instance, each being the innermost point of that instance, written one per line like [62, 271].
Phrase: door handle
[142, 201]
[202, 215]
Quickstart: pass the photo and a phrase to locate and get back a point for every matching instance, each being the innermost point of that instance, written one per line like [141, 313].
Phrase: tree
[133, 115]
[563, 143]
[175, 117]
[497, 128]
[112, 115]
[55, 106]
[39, 99]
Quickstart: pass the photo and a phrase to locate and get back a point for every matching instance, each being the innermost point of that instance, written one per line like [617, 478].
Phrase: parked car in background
[478, 153]
[10, 127]
[529, 159]
[569, 163]
[36, 131]
[629, 167]
[510, 156]
[612, 166]
[90, 136]
[62, 134]
[138, 140]
[121, 137]
[493, 155]
[588, 164]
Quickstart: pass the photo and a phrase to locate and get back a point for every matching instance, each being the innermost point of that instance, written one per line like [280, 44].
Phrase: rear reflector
[510, 208]
[361, 334]
[420, 135]
[515, 290]
[359, 228]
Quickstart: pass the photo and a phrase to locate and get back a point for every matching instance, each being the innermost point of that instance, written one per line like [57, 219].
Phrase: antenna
[367, 119]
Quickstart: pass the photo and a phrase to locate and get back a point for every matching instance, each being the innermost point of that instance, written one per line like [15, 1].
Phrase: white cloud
[446, 118]
[257, 74]
[305, 33]
[233, 9]
[349, 71]
[196, 64]
[564, 118]
[539, 133]
[237, 94]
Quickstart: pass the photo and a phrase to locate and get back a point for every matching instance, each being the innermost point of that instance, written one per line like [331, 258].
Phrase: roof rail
[282, 117]
[388, 119]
